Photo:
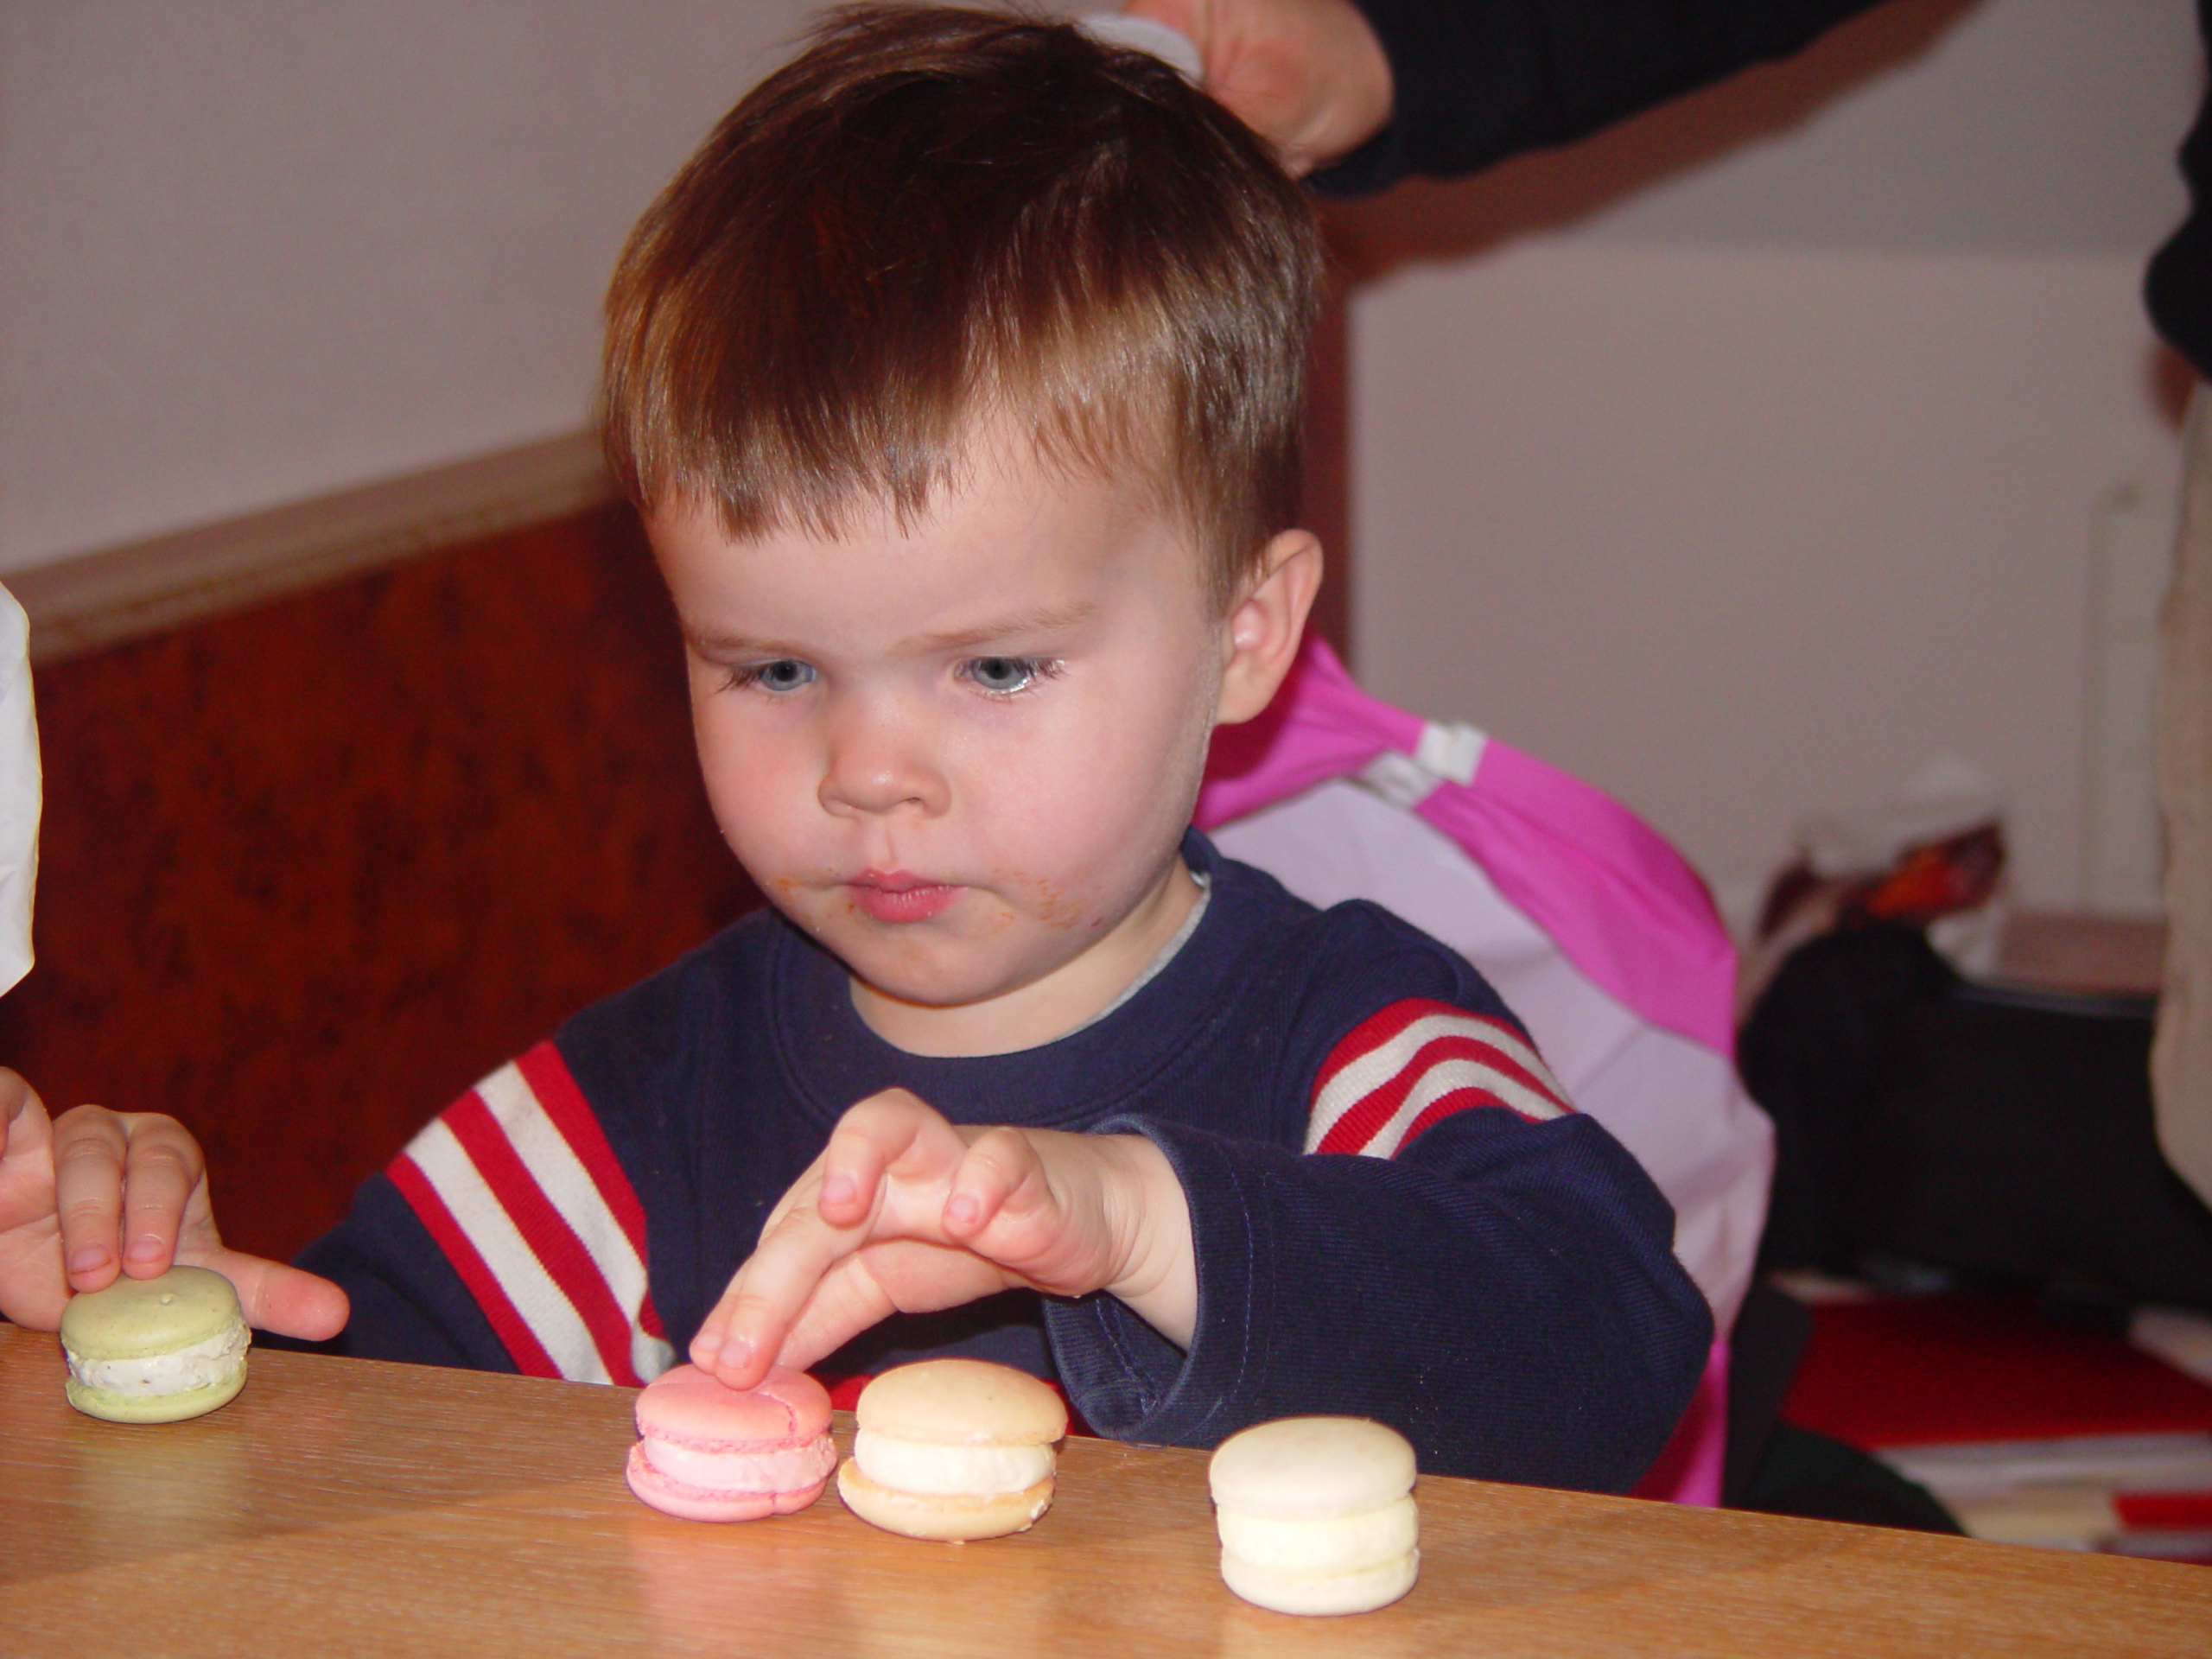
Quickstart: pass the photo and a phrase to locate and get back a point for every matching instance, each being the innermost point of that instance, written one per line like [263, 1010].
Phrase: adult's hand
[95, 1194]
[1307, 75]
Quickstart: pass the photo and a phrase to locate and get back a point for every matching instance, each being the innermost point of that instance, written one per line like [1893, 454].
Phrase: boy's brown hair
[934, 217]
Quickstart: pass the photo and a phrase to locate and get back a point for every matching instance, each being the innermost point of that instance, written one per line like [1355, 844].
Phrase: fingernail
[838, 1189]
[961, 1208]
[705, 1351]
[87, 1259]
[148, 1249]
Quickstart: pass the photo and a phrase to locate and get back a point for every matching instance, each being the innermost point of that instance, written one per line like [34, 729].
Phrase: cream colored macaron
[155, 1351]
[953, 1449]
[1317, 1515]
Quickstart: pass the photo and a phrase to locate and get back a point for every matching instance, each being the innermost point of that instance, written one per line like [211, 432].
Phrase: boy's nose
[875, 766]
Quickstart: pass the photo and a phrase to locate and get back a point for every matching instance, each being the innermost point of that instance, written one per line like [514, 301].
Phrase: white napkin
[19, 792]
[1170, 46]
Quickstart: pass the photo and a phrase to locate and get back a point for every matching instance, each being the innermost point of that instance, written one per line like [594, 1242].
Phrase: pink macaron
[707, 1452]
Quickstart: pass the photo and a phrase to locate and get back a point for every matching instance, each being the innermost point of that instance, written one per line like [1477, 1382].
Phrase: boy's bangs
[871, 426]
[931, 221]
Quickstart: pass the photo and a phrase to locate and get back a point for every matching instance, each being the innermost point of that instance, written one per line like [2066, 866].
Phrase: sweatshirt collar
[833, 1058]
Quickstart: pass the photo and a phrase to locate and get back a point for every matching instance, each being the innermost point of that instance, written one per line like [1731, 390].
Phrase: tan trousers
[2181, 1055]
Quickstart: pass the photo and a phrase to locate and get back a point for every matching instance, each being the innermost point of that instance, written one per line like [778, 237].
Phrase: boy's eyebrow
[1015, 624]
[1048, 620]
[735, 645]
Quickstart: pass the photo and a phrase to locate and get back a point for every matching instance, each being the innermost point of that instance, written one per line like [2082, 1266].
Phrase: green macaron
[155, 1351]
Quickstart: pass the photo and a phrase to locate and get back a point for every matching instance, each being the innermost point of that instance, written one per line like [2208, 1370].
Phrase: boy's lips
[895, 896]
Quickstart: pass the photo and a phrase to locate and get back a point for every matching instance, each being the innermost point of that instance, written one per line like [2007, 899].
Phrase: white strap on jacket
[1448, 753]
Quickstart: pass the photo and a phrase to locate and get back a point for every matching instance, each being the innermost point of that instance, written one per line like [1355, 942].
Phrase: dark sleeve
[2178, 288]
[408, 1302]
[1503, 1291]
[1476, 81]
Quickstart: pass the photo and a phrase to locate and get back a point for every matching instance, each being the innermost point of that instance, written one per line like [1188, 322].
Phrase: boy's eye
[1006, 675]
[786, 674]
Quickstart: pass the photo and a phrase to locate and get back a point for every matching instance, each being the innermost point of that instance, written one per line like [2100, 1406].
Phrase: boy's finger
[707, 1342]
[867, 1287]
[895, 1134]
[846, 1302]
[793, 1256]
[740, 1338]
[1001, 1173]
[160, 1168]
[913, 1153]
[852, 1164]
[730, 1355]
[89, 1148]
[1051, 1225]
[884, 1151]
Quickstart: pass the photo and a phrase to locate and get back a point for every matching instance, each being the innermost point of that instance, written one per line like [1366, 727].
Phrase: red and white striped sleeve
[1415, 1061]
[516, 1184]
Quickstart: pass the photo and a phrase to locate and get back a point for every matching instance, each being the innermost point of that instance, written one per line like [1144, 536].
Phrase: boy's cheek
[757, 792]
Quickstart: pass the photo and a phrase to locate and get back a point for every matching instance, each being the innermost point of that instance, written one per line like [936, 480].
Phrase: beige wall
[1750, 458]
[251, 251]
[1744, 535]
[1742, 459]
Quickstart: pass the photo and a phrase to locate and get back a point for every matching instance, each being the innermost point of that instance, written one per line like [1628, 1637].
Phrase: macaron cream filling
[750, 1469]
[932, 1468]
[1317, 1515]
[707, 1452]
[201, 1365]
[1349, 1543]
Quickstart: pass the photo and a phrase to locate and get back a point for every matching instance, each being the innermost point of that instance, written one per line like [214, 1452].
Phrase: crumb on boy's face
[961, 755]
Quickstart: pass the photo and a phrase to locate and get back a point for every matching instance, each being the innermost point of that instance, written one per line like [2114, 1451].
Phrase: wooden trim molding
[310, 868]
[118, 593]
[115, 595]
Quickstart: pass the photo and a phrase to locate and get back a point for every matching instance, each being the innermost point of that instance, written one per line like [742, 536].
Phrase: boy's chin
[927, 992]
[951, 1012]
[949, 967]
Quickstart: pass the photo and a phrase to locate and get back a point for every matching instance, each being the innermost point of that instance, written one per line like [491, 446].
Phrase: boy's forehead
[1010, 536]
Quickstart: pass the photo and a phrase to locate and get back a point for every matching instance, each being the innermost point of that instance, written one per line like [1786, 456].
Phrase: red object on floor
[1940, 1369]
[2163, 1511]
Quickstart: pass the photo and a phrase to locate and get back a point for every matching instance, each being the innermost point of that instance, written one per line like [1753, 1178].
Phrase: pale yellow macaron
[953, 1449]
[155, 1351]
[1317, 1515]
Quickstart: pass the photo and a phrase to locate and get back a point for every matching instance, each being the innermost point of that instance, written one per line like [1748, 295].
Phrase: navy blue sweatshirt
[1491, 1274]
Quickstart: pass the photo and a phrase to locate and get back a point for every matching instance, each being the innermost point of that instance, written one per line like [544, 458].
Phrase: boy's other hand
[95, 1193]
[1307, 75]
[905, 1212]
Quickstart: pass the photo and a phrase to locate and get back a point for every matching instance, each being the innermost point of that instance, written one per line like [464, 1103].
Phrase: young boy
[958, 379]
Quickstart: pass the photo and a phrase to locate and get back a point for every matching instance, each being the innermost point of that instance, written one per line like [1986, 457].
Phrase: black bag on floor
[2002, 1137]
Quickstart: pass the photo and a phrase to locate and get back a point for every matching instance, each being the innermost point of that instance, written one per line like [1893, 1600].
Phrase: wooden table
[341, 1507]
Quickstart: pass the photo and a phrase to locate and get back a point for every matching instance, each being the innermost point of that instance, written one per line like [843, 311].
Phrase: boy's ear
[1260, 639]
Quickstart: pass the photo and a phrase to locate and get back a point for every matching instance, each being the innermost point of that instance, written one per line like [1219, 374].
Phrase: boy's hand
[904, 1212]
[1307, 75]
[97, 1192]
